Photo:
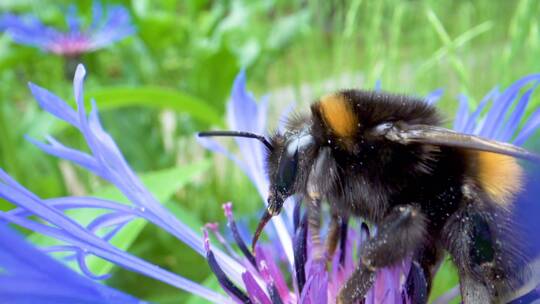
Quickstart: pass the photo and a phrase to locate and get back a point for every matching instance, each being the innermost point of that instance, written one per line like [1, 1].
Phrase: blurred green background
[173, 77]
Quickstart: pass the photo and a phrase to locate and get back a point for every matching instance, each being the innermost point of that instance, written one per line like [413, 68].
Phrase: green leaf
[156, 97]
[141, 7]
[213, 76]
[163, 184]
[287, 28]
[185, 297]
[184, 215]
[445, 279]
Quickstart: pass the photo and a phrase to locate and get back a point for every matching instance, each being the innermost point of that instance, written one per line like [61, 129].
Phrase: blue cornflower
[106, 161]
[107, 27]
[246, 277]
[506, 111]
[31, 276]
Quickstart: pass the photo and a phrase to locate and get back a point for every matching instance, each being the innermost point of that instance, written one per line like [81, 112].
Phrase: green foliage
[182, 62]
[445, 279]
[156, 97]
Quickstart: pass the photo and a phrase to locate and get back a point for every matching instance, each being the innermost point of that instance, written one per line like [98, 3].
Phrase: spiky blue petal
[29, 276]
[105, 29]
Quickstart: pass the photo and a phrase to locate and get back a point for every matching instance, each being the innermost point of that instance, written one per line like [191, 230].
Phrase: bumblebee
[429, 190]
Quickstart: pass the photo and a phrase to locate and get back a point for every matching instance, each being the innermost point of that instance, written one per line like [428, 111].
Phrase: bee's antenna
[238, 134]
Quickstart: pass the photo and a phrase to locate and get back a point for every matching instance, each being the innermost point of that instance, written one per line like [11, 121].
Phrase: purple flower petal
[54, 104]
[236, 234]
[316, 288]
[108, 220]
[434, 96]
[275, 295]
[214, 228]
[81, 261]
[57, 149]
[473, 118]
[417, 284]
[213, 146]
[529, 128]
[26, 271]
[300, 253]
[255, 292]
[502, 103]
[72, 20]
[462, 114]
[97, 14]
[28, 30]
[117, 26]
[225, 282]
[94, 245]
[378, 85]
[512, 124]
[271, 272]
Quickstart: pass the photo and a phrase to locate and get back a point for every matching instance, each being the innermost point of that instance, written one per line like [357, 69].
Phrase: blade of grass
[456, 62]
[350, 18]
[373, 37]
[518, 28]
[457, 43]
[393, 49]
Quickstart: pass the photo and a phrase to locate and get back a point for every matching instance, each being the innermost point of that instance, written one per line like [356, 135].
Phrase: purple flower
[280, 271]
[30, 276]
[107, 27]
[506, 112]
[312, 283]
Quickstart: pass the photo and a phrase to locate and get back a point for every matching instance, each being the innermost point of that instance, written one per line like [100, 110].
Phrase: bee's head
[284, 166]
[287, 154]
[290, 153]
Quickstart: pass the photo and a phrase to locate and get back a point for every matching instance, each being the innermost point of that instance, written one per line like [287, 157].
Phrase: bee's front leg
[334, 231]
[314, 227]
[320, 181]
[401, 233]
[334, 234]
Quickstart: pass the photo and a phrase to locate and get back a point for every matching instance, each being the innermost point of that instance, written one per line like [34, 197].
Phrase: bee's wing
[433, 135]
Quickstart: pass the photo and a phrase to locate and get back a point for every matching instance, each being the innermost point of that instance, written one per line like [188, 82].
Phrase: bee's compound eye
[288, 163]
[286, 174]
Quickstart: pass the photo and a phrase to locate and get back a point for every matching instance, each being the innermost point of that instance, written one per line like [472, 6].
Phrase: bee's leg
[473, 291]
[480, 239]
[314, 227]
[459, 240]
[333, 236]
[319, 182]
[401, 233]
